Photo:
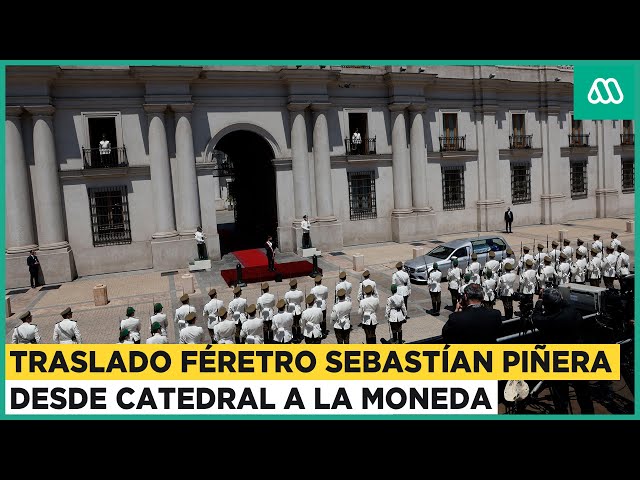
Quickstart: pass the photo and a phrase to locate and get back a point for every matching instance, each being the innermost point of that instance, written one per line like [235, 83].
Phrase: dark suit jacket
[31, 261]
[565, 325]
[268, 250]
[473, 325]
[508, 216]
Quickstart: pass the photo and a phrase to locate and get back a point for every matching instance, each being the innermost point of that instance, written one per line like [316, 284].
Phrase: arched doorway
[253, 190]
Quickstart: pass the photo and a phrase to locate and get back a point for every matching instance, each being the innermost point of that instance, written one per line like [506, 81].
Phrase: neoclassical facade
[442, 149]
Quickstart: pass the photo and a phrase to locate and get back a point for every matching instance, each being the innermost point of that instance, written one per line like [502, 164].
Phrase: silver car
[461, 249]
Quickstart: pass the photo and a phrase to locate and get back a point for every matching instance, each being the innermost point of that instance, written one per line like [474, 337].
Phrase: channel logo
[605, 91]
[596, 96]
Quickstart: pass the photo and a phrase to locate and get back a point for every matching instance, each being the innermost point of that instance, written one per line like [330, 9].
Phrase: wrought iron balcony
[366, 147]
[579, 140]
[105, 157]
[520, 141]
[627, 139]
[448, 144]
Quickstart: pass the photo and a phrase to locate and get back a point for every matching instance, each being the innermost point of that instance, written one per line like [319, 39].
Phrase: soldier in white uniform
[253, 328]
[236, 309]
[547, 277]
[595, 268]
[368, 308]
[403, 282]
[132, 324]
[568, 249]
[26, 332]
[597, 244]
[124, 336]
[489, 288]
[474, 269]
[265, 306]
[454, 280]
[160, 318]
[466, 280]
[182, 311]
[528, 286]
[564, 270]
[321, 292]
[66, 331]
[210, 311]
[622, 264]
[345, 284]
[581, 248]
[579, 268]
[367, 281]
[311, 320]
[435, 289]
[191, 333]
[282, 324]
[492, 265]
[523, 260]
[609, 267]
[225, 330]
[340, 317]
[615, 243]
[293, 299]
[508, 259]
[395, 313]
[554, 254]
[506, 285]
[538, 258]
[156, 334]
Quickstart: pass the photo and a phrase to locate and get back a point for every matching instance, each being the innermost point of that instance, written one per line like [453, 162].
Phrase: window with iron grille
[362, 195]
[579, 179]
[520, 183]
[109, 216]
[453, 188]
[627, 176]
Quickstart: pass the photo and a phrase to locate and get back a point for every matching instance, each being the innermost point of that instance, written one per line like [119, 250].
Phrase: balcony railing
[105, 157]
[366, 147]
[520, 141]
[627, 139]
[579, 140]
[448, 144]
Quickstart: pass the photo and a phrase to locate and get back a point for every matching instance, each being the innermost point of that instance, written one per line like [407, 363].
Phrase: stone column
[47, 184]
[19, 236]
[551, 187]
[160, 173]
[418, 159]
[607, 171]
[322, 163]
[300, 162]
[402, 201]
[187, 196]
[327, 231]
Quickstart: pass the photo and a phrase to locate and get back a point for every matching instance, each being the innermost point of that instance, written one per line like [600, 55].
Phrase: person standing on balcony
[105, 151]
[508, 219]
[356, 141]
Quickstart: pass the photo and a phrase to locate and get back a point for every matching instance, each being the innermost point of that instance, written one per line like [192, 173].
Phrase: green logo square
[604, 92]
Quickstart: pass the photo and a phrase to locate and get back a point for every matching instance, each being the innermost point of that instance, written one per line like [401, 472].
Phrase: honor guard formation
[302, 316]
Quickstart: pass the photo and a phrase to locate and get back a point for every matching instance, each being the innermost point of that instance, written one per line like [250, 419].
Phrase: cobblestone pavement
[141, 289]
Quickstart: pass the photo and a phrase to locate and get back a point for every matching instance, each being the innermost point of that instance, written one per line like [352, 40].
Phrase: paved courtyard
[141, 289]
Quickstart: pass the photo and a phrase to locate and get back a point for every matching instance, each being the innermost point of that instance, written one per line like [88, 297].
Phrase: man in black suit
[268, 246]
[508, 219]
[471, 322]
[34, 267]
[560, 322]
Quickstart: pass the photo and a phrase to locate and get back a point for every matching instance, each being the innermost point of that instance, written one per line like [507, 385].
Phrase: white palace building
[443, 149]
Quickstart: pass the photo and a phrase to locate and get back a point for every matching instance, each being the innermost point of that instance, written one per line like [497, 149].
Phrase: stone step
[200, 265]
[310, 252]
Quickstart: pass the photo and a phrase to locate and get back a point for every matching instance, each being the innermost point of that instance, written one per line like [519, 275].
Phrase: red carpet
[253, 257]
[262, 273]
